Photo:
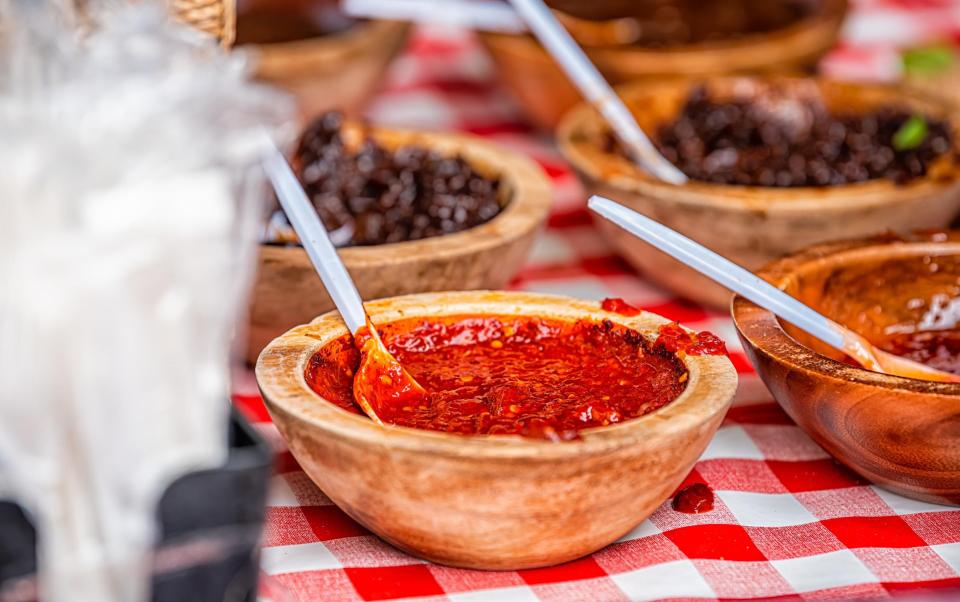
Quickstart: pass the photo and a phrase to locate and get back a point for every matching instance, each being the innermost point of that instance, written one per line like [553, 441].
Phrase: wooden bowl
[754, 225]
[546, 94]
[335, 71]
[900, 433]
[288, 292]
[499, 502]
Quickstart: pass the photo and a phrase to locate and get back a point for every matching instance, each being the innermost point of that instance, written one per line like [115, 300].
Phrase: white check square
[297, 558]
[834, 569]
[766, 509]
[677, 579]
[732, 442]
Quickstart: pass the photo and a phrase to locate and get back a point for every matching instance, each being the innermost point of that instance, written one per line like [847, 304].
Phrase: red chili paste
[513, 375]
[938, 349]
[694, 499]
[619, 306]
[675, 339]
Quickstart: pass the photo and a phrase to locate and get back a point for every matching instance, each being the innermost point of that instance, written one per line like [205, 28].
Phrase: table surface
[789, 522]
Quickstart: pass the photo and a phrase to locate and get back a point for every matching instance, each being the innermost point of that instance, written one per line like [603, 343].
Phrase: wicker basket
[216, 17]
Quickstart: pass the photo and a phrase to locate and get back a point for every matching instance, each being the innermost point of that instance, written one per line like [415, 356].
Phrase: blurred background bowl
[312, 50]
[545, 93]
[900, 433]
[747, 224]
[288, 292]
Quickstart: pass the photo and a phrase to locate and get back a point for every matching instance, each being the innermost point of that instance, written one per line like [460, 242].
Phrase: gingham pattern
[789, 523]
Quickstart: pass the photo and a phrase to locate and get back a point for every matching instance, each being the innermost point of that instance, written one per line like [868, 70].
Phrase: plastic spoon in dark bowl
[764, 294]
[585, 75]
[380, 381]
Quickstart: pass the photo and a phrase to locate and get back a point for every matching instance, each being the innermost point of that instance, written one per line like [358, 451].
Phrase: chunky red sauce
[514, 375]
[938, 349]
[619, 306]
[694, 499]
[675, 339]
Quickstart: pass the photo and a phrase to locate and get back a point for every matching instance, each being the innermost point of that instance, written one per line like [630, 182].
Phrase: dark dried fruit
[783, 140]
[375, 195]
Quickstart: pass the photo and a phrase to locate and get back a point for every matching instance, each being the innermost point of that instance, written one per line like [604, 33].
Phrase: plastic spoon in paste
[380, 379]
[764, 294]
[585, 75]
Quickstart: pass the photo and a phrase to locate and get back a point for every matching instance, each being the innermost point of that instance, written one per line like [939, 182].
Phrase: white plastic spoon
[380, 377]
[764, 294]
[540, 20]
[585, 75]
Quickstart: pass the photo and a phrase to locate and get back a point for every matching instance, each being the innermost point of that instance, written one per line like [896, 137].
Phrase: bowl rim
[861, 195]
[764, 333]
[281, 367]
[829, 14]
[361, 34]
[526, 210]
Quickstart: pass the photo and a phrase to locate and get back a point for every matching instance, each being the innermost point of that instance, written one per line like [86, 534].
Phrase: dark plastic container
[210, 527]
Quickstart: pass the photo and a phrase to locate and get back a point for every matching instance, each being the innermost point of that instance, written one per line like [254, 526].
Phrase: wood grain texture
[337, 71]
[546, 94]
[288, 292]
[754, 225]
[899, 433]
[490, 502]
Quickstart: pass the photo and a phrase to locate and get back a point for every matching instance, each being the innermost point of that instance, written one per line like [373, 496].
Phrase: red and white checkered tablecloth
[789, 522]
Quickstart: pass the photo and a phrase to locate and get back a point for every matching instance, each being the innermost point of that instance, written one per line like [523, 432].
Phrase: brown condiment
[280, 21]
[377, 195]
[666, 23]
[781, 140]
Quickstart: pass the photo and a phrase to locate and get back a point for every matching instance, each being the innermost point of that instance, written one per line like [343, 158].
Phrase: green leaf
[929, 60]
[911, 134]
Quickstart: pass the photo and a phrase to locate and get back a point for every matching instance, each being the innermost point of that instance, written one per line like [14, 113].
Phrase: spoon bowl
[730, 275]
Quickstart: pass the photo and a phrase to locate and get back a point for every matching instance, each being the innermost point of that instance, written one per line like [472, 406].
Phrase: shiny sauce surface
[907, 306]
[531, 376]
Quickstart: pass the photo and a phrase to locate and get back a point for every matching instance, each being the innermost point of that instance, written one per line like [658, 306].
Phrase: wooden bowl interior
[874, 290]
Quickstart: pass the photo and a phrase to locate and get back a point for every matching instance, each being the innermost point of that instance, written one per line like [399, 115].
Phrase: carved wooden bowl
[900, 433]
[288, 292]
[546, 94]
[754, 225]
[495, 501]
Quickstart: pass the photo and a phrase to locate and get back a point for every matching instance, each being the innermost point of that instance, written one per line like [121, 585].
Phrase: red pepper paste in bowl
[513, 375]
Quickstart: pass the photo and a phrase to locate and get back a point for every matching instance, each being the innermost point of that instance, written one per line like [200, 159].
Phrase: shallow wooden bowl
[546, 94]
[337, 71]
[491, 502]
[754, 225]
[288, 292]
[899, 433]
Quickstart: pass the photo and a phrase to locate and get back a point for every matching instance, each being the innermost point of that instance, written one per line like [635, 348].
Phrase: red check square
[717, 542]
[386, 582]
[758, 413]
[330, 522]
[920, 590]
[873, 532]
[584, 568]
[813, 475]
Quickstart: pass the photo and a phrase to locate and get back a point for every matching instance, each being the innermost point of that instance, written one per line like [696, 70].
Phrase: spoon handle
[723, 271]
[595, 88]
[314, 238]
